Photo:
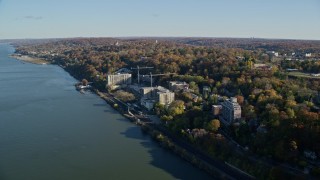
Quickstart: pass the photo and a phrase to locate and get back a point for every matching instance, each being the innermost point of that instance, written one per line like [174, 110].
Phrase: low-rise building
[178, 85]
[147, 103]
[148, 92]
[308, 55]
[231, 111]
[216, 110]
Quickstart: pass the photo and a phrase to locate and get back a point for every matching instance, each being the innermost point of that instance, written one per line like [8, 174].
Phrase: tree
[176, 108]
[124, 96]
[159, 108]
[84, 82]
[213, 125]
[240, 99]
[166, 118]
[194, 86]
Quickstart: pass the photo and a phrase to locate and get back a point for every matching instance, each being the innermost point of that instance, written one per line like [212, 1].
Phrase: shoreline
[166, 142]
[28, 59]
[153, 131]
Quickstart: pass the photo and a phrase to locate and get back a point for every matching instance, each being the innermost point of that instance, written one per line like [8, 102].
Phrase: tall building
[119, 79]
[231, 110]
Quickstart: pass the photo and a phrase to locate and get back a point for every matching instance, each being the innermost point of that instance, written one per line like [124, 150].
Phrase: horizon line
[138, 37]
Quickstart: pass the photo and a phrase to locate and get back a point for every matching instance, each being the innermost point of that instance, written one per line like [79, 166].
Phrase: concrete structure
[178, 85]
[119, 79]
[156, 94]
[216, 110]
[147, 103]
[165, 98]
[148, 92]
[231, 111]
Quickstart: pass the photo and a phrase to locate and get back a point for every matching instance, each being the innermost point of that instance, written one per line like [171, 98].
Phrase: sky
[281, 19]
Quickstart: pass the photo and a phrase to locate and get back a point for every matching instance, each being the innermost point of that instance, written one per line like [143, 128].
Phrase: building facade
[165, 98]
[231, 110]
[216, 110]
[148, 92]
[119, 79]
[156, 94]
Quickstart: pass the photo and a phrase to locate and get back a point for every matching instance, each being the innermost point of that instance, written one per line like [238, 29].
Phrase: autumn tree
[176, 108]
[213, 125]
[84, 82]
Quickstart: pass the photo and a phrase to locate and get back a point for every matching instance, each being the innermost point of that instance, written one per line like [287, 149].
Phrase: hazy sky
[294, 19]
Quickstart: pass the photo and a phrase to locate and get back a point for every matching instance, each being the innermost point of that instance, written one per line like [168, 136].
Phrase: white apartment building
[119, 79]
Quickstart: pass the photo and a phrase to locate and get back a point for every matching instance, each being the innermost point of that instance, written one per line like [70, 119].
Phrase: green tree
[194, 86]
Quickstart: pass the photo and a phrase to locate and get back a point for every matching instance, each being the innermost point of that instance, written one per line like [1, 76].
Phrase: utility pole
[138, 68]
[152, 75]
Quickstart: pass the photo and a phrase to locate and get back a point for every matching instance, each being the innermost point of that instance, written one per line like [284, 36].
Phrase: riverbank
[29, 59]
[180, 150]
[167, 143]
[217, 170]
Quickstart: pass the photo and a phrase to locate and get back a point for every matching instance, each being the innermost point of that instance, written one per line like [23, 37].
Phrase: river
[48, 130]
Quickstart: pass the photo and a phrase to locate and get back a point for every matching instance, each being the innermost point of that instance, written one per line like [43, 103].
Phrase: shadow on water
[108, 109]
[100, 105]
[165, 159]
